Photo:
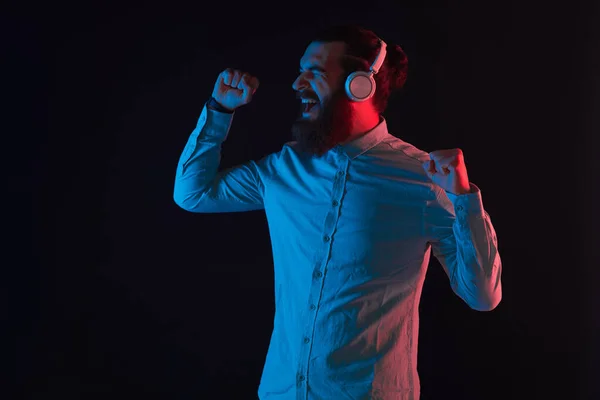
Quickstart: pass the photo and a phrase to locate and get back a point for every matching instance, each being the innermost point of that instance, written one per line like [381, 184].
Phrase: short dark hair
[362, 46]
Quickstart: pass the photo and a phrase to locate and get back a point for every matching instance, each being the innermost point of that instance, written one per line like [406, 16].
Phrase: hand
[446, 168]
[234, 88]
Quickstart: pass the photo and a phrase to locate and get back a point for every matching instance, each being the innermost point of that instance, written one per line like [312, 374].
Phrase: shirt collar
[365, 142]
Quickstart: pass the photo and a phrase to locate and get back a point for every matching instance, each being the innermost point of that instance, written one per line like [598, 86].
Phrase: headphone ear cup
[360, 86]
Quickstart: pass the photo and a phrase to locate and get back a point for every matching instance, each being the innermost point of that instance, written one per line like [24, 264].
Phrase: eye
[313, 71]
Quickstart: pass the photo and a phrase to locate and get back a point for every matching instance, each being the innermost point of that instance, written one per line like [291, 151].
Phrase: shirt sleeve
[464, 242]
[201, 188]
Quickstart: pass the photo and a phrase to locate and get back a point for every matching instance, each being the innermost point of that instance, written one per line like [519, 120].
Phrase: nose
[300, 83]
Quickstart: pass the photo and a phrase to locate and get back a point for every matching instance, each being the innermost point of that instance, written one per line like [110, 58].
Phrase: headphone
[360, 85]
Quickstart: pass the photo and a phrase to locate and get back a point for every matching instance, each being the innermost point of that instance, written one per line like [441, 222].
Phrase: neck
[361, 124]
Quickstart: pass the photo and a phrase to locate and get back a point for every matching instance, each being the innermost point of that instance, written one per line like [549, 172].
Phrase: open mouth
[308, 104]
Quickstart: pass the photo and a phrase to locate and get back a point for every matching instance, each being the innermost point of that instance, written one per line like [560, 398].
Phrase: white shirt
[352, 233]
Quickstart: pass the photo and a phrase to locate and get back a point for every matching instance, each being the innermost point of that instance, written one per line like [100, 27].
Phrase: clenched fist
[234, 88]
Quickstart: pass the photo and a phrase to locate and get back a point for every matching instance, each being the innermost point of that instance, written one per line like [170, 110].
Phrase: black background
[113, 291]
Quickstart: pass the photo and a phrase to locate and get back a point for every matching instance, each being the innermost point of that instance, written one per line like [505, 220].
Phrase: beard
[319, 134]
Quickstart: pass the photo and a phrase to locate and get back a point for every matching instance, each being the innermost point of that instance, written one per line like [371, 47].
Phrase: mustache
[307, 95]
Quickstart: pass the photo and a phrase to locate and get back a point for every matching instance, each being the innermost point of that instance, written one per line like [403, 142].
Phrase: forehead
[327, 55]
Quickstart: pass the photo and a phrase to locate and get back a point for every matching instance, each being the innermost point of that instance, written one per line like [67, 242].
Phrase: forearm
[200, 159]
[476, 273]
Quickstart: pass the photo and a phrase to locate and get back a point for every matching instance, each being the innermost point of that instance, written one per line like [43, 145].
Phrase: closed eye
[317, 70]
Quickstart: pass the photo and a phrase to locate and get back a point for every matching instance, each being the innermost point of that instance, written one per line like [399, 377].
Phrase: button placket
[318, 281]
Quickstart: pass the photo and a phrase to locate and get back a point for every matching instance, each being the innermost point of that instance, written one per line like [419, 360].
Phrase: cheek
[321, 86]
[328, 87]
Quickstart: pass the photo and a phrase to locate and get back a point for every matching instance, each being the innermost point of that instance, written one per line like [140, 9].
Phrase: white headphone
[360, 85]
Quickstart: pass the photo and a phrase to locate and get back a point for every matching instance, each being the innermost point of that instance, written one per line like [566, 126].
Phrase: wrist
[213, 104]
[464, 190]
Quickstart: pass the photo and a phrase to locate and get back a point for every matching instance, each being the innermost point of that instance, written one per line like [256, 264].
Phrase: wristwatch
[214, 105]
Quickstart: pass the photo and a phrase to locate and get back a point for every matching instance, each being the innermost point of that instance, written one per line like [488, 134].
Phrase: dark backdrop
[113, 291]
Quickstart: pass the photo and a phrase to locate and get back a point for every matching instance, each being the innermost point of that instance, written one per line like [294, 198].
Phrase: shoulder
[410, 151]
[270, 163]
[407, 156]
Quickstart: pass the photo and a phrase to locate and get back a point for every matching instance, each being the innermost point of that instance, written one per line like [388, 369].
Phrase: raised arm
[463, 238]
[199, 186]
[464, 242]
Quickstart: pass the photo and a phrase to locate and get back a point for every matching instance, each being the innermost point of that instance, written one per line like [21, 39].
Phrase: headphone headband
[380, 57]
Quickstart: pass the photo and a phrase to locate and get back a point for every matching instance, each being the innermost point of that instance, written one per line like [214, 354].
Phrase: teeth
[308, 101]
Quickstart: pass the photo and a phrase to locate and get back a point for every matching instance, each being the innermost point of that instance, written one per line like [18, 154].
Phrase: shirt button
[318, 274]
[313, 307]
[326, 238]
[340, 173]
[301, 378]
[334, 203]
[306, 340]
[459, 208]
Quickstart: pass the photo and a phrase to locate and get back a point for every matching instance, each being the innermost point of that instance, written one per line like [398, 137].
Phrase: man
[354, 214]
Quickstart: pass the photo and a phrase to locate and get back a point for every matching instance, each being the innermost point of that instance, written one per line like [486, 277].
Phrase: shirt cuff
[468, 204]
[216, 124]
